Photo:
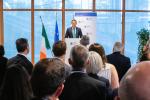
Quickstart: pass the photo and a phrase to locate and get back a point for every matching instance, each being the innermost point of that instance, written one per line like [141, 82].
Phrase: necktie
[74, 33]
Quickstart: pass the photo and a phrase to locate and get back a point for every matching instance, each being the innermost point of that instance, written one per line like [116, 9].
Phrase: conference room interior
[117, 20]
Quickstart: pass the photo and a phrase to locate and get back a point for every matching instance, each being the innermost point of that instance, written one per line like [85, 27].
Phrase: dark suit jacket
[121, 62]
[70, 35]
[22, 60]
[80, 86]
[3, 66]
[106, 81]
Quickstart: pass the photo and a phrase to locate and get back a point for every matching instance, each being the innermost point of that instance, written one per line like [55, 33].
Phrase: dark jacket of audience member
[16, 84]
[47, 79]
[121, 62]
[23, 49]
[3, 63]
[80, 86]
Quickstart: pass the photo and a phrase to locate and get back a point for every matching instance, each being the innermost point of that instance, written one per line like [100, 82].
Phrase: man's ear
[59, 90]
[116, 98]
[70, 61]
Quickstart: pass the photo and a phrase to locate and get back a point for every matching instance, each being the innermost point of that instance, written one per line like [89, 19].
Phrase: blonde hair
[95, 63]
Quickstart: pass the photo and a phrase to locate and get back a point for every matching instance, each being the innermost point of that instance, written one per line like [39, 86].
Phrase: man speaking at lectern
[73, 31]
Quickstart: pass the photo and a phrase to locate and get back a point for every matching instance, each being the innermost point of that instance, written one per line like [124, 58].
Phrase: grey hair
[95, 63]
[85, 40]
[79, 55]
[117, 47]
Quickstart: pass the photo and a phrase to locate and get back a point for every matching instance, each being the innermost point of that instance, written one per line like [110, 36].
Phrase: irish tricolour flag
[45, 43]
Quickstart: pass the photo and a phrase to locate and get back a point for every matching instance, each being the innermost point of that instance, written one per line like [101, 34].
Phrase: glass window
[12, 4]
[138, 4]
[78, 4]
[16, 25]
[109, 4]
[108, 29]
[49, 21]
[51, 4]
[134, 23]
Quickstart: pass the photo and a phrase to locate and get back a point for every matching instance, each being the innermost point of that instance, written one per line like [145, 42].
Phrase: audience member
[108, 71]
[23, 49]
[59, 49]
[16, 84]
[85, 40]
[94, 65]
[47, 79]
[135, 84]
[3, 63]
[80, 86]
[121, 62]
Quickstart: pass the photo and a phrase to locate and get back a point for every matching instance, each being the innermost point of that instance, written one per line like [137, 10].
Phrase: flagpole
[56, 8]
[41, 19]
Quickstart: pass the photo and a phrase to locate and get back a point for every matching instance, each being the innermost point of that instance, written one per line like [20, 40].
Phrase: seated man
[85, 40]
[47, 79]
[21, 58]
[121, 62]
[59, 49]
[80, 86]
[135, 84]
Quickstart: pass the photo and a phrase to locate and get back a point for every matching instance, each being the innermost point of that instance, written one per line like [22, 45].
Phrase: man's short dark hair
[79, 56]
[73, 20]
[59, 48]
[2, 51]
[21, 44]
[48, 74]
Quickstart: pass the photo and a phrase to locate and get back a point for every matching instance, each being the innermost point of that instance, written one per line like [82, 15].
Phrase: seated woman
[94, 65]
[16, 84]
[108, 71]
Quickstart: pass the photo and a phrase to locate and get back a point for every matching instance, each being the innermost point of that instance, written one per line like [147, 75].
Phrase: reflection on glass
[51, 4]
[138, 4]
[16, 25]
[108, 29]
[12, 4]
[49, 21]
[109, 4]
[78, 4]
[134, 23]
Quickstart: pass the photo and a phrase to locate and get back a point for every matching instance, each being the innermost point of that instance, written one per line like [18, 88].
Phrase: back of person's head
[59, 48]
[135, 84]
[22, 44]
[95, 63]
[100, 50]
[16, 84]
[48, 75]
[78, 56]
[85, 40]
[117, 47]
[2, 51]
